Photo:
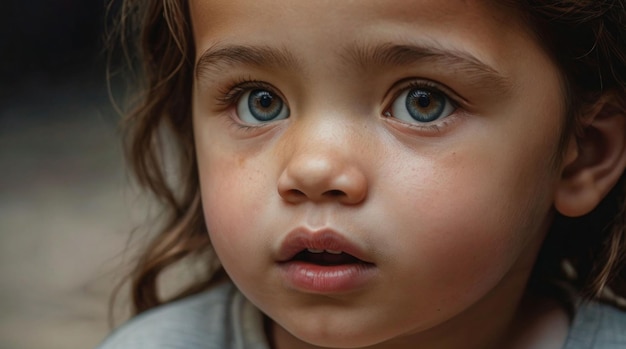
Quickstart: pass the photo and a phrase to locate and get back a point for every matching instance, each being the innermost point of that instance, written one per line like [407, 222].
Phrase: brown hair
[586, 38]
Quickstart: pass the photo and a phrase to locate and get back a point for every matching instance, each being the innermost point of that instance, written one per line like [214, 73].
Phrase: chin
[333, 337]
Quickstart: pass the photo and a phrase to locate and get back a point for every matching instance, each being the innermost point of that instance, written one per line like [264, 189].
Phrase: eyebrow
[457, 61]
[221, 57]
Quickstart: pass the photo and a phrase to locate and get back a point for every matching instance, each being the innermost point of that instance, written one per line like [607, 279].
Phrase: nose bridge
[322, 161]
[323, 136]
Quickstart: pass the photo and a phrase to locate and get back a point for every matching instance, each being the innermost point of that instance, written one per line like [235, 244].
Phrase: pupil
[423, 100]
[265, 101]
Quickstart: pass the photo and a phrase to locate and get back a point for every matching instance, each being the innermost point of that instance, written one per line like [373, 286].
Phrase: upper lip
[321, 239]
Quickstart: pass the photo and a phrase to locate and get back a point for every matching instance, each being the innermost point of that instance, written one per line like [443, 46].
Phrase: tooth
[313, 250]
[333, 251]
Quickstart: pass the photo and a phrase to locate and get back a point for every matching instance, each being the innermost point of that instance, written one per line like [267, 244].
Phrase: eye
[422, 105]
[259, 106]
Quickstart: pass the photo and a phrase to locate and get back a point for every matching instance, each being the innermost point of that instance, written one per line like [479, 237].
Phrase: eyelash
[232, 92]
[430, 86]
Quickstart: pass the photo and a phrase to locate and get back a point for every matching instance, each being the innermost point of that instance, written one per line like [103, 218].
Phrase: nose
[322, 173]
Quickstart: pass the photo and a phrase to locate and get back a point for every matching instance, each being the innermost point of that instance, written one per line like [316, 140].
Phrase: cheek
[232, 197]
[466, 219]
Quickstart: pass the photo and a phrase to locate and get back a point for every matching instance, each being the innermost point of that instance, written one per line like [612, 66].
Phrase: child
[398, 174]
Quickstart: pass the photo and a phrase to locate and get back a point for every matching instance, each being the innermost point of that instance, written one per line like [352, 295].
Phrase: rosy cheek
[218, 188]
[232, 202]
[460, 214]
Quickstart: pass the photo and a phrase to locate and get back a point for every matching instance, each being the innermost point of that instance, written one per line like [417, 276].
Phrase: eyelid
[434, 128]
[228, 95]
[405, 84]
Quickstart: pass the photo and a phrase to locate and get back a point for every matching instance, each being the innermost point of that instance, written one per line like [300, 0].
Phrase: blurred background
[66, 205]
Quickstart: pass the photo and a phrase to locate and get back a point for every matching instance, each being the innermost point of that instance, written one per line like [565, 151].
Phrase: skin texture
[450, 213]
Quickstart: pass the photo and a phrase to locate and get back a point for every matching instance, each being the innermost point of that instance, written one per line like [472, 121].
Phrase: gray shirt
[223, 319]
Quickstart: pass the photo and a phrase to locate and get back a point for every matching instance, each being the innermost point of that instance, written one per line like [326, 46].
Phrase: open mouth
[323, 261]
[326, 257]
[321, 248]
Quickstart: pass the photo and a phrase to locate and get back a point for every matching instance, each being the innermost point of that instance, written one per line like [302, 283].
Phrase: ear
[594, 160]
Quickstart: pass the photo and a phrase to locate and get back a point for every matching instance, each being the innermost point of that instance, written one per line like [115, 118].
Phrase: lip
[322, 239]
[308, 277]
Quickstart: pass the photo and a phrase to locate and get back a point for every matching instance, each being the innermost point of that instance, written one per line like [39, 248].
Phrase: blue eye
[421, 105]
[261, 106]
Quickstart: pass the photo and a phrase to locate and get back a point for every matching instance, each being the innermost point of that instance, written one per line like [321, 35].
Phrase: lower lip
[320, 279]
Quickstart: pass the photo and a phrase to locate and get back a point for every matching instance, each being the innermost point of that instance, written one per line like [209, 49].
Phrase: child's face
[416, 135]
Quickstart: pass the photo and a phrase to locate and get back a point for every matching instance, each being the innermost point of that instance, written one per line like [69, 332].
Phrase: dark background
[66, 205]
[50, 39]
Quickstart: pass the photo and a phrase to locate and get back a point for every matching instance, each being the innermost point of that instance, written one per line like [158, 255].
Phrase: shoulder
[597, 326]
[212, 319]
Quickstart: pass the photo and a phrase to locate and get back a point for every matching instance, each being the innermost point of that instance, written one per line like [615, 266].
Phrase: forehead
[350, 12]
[313, 29]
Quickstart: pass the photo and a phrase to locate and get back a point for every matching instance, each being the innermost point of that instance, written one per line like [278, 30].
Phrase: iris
[264, 105]
[425, 106]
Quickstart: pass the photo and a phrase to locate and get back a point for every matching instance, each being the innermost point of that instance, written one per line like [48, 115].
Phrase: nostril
[294, 195]
[296, 192]
[334, 193]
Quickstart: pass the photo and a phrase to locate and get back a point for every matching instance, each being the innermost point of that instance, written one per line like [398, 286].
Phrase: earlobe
[594, 160]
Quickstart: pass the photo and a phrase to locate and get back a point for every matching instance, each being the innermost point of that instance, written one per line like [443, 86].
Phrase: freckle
[241, 160]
